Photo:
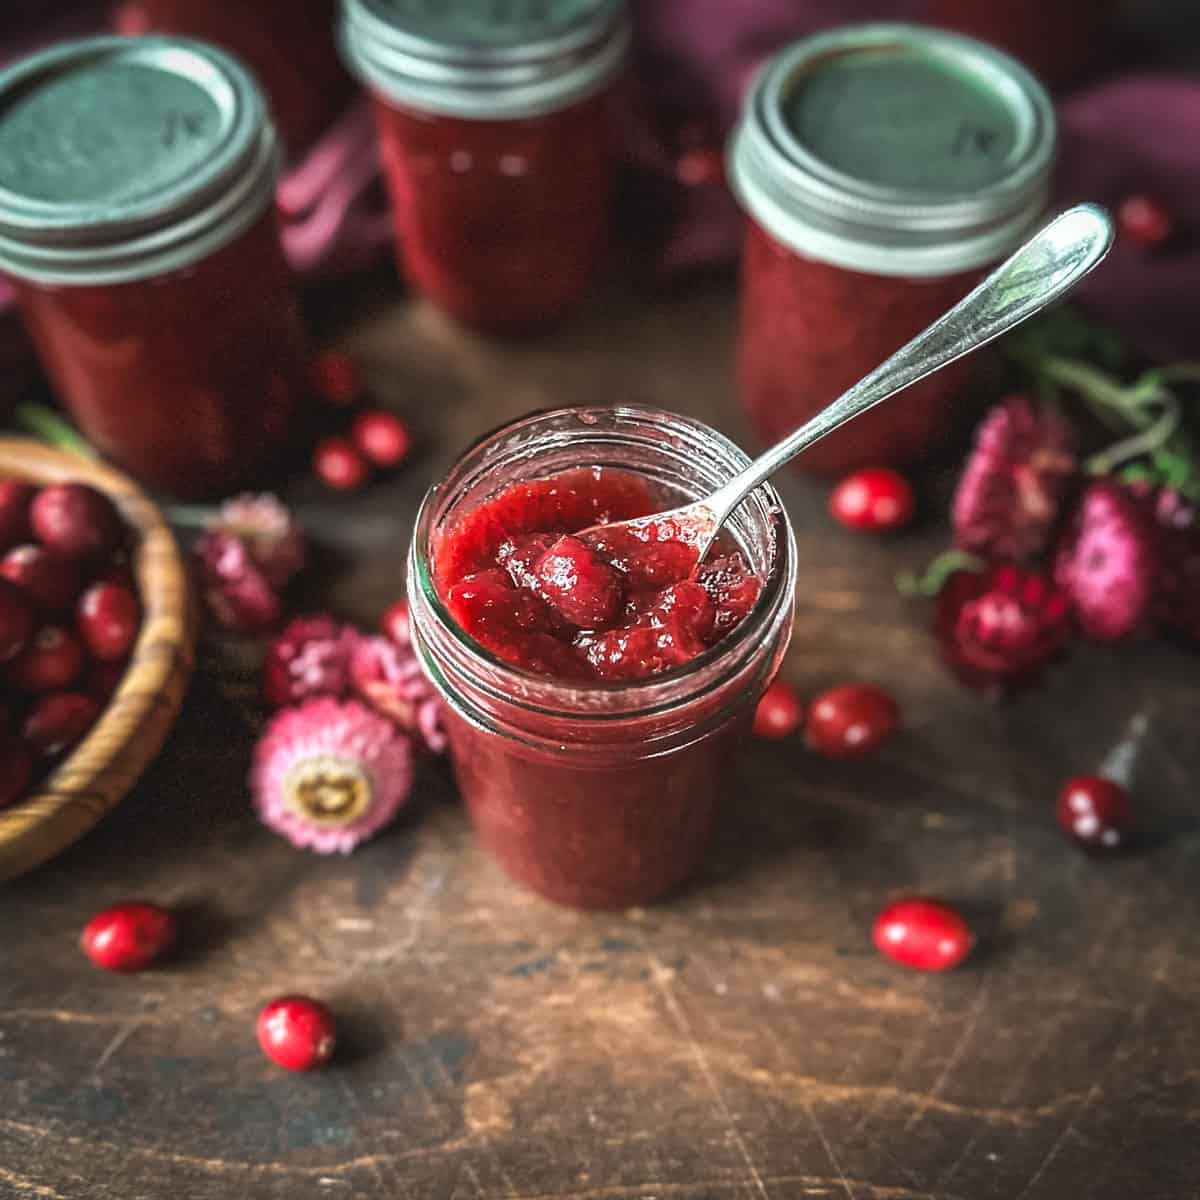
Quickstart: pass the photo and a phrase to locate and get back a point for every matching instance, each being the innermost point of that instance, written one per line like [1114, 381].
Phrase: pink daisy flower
[387, 675]
[328, 775]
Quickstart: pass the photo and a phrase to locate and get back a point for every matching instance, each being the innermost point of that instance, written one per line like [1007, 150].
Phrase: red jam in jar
[883, 168]
[497, 134]
[595, 689]
[288, 44]
[137, 227]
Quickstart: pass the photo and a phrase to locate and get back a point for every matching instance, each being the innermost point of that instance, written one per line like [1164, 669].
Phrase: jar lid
[486, 59]
[122, 158]
[895, 149]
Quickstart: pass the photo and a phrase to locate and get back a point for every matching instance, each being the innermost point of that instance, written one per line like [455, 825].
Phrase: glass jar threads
[882, 169]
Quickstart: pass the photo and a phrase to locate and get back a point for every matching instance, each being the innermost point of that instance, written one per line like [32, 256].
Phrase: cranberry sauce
[520, 576]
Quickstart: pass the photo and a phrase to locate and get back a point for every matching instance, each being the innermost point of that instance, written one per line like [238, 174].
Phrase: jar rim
[594, 702]
[824, 212]
[187, 216]
[527, 77]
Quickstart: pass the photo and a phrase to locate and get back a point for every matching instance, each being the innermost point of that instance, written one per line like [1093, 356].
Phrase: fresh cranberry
[57, 722]
[108, 619]
[50, 579]
[51, 662]
[76, 520]
[16, 620]
[16, 768]
[296, 1032]
[779, 712]
[15, 498]
[575, 582]
[700, 165]
[1143, 220]
[1095, 812]
[128, 936]
[922, 933]
[874, 499]
[381, 437]
[336, 378]
[851, 720]
[395, 623]
[339, 465]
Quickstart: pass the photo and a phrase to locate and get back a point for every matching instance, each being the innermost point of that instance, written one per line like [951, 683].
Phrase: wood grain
[742, 1040]
[105, 765]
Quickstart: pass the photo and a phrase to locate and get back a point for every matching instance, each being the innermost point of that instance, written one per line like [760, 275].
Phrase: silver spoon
[1043, 270]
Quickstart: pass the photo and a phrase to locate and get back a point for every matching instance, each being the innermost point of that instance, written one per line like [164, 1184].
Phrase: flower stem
[933, 579]
[46, 424]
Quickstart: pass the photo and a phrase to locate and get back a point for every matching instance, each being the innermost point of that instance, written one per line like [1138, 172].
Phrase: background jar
[497, 132]
[882, 168]
[138, 227]
[288, 44]
[600, 795]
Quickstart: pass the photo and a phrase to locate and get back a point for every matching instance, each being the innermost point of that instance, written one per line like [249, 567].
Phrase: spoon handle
[1040, 272]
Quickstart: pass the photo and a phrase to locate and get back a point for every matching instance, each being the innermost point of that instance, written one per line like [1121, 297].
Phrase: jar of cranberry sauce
[288, 44]
[138, 227]
[882, 168]
[597, 794]
[497, 133]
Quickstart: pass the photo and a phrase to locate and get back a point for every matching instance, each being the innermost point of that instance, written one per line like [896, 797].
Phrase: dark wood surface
[741, 1041]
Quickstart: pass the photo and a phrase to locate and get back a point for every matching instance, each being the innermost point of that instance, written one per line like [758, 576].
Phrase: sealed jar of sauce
[882, 168]
[592, 729]
[137, 225]
[288, 44]
[497, 133]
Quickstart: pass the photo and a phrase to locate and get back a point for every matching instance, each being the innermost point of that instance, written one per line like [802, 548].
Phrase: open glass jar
[882, 168]
[497, 133]
[137, 225]
[600, 795]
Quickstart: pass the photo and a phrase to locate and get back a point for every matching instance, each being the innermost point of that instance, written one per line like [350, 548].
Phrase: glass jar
[497, 134]
[600, 795]
[138, 228]
[883, 168]
[288, 44]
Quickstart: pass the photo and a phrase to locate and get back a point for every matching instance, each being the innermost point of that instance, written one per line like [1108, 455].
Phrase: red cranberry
[395, 622]
[779, 712]
[15, 498]
[58, 722]
[922, 933]
[16, 768]
[51, 662]
[874, 499]
[700, 165]
[296, 1032]
[1144, 221]
[128, 936]
[381, 437]
[108, 619]
[52, 580]
[76, 520]
[339, 465]
[579, 585]
[1095, 812]
[336, 378]
[16, 620]
[851, 720]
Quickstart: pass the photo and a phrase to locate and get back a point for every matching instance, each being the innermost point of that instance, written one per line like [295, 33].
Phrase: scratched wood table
[741, 1041]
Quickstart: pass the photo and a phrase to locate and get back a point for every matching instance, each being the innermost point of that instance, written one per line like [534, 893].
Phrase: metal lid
[122, 158]
[486, 59]
[895, 149]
